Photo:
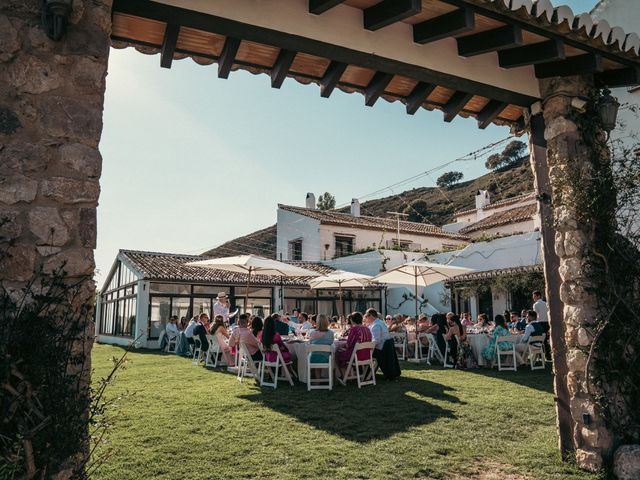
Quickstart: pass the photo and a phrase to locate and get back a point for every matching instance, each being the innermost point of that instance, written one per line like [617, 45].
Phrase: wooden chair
[274, 367]
[319, 383]
[511, 352]
[536, 353]
[400, 343]
[247, 366]
[360, 370]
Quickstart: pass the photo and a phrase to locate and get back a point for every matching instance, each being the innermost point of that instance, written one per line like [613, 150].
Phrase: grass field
[180, 421]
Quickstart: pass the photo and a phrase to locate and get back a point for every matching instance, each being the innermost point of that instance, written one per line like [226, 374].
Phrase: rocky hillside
[442, 204]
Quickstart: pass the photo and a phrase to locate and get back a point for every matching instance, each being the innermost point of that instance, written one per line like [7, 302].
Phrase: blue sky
[191, 161]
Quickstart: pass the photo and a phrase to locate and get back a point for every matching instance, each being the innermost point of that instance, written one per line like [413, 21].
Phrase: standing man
[221, 307]
[540, 307]
[379, 331]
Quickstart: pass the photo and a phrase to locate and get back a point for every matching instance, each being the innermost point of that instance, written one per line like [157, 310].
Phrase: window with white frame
[295, 250]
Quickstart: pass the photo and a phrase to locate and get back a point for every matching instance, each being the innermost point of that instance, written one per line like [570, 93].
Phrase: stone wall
[569, 158]
[51, 102]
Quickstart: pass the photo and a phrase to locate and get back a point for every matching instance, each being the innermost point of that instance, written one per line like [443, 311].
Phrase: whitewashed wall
[293, 226]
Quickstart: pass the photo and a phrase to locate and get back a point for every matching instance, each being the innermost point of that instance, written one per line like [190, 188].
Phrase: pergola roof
[479, 58]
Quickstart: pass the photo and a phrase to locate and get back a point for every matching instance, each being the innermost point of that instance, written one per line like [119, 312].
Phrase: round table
[298, 350]
[477, 341]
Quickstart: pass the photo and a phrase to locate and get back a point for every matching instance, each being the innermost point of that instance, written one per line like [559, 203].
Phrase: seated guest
[533, 328]
[483, 324]
[268, 337]
[388, 320]
[379, 331]
[455, 334]
[243, 334]
[281, 326]
[256, 326]
[519, 324]
[201, 329]
[219, 331]
[398, 324]
[321, 336]
[305, 324]
[358, 333]
[183, 324]
[466, 320]
[188, 332]
[172, 326]
[500, 330]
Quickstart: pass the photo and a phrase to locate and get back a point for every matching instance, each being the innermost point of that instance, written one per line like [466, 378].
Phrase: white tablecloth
[298, 352]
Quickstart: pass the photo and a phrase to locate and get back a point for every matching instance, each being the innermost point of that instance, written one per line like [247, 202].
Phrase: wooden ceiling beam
[169, 44]
[281, 67]
[578, 65]
[228, 56]
[331, 78]
[490, 112]
[444, 26]
[418, 95]
[455, 104]
[542, 52]
[497, 39]
[622, 77]
[376, 87]
[390, 11]
[320, 6]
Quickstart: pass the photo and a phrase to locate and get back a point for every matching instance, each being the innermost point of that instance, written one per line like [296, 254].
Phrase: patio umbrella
[340, 279]
[420, 273]
[254, 265]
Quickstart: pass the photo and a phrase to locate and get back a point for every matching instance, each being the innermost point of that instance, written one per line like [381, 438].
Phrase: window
[295, 250]
[175, 288]
[344, 246]
[118, 314]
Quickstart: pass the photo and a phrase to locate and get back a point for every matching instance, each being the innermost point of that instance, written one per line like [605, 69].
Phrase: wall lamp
[608, 109]
[55, 15]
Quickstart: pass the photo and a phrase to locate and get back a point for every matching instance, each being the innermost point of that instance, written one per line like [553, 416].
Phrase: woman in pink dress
[219, 331]
[358, 333]
[268, 336]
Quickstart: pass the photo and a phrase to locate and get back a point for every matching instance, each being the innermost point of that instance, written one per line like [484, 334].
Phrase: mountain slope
[502, 184]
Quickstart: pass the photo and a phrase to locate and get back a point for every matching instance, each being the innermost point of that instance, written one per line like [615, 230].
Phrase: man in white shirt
[305, 324]
[540, 307]
[221, 307]
[172, 326]
[379, 330]
[188, 332]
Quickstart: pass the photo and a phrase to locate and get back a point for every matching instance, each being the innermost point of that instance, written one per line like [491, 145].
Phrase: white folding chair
[361, 370]
[172, 343]
[212, 358]
[511, 352]
[319, 383]
[273, 368]
[447, 352]
[434, 349]
[198, 354]
[536, 353]
[245, 362]
[400, 343]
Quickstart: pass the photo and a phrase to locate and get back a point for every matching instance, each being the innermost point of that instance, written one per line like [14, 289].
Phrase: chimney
[310, 202]
[482, 199]
[355, 207]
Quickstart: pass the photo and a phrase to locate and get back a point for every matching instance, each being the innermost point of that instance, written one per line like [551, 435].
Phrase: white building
[312, 235]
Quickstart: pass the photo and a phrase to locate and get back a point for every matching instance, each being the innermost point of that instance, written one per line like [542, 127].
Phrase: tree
[449, 179]
[511, 154]
[418, 210]
[326, 201]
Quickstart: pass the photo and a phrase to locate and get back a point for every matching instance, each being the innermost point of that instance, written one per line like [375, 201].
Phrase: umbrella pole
[246, 292]
[415, 292]
[340, 302]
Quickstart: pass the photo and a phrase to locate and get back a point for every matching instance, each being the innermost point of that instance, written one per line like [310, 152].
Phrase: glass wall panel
[327, 307]
[299, 292]
[175, 288]
[257, 306]
[210, 290]
[202, 305]
[180, 307]
[160, 310]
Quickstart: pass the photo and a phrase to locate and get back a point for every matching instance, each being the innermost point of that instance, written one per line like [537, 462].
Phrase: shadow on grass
[361, 415]
[538, 379]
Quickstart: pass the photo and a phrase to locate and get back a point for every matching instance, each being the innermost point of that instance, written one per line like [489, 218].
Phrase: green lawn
[185, 422]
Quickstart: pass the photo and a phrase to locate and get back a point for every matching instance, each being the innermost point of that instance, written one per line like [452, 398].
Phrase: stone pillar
[572, 172]
[51, 102]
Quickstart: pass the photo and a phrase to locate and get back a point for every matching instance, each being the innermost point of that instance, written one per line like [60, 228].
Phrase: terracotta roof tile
[332, 217]
[498, 272]
[501, 203]
[172, 266]
[512, 215]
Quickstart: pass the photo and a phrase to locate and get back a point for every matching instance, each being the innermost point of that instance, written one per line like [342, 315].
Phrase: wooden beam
[228, 56]
[542, 52]
[455, 104]
[281, 67]
[447, 25]
[418, 95]
[376, 87]
[169, 44]
[390, 11]
[578, 65]
[331, 78]
[320, 6]
[224, 26]
[497, 39]
[489, 113]
[622, 77]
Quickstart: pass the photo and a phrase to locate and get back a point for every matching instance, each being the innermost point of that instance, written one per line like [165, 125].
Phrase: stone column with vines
[584, 200]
